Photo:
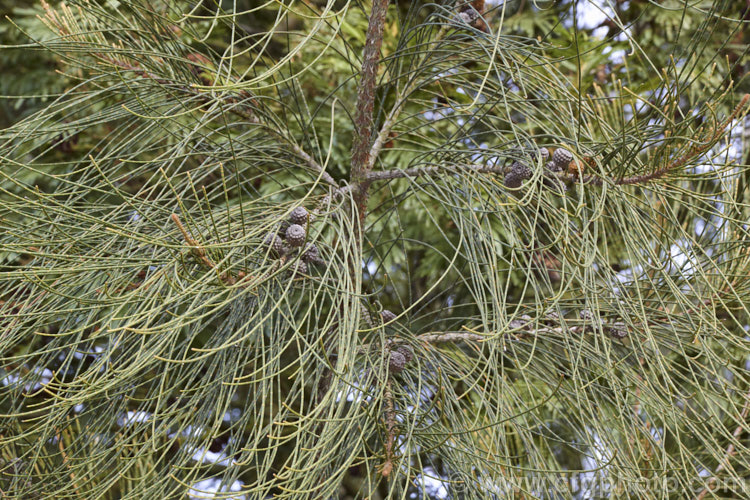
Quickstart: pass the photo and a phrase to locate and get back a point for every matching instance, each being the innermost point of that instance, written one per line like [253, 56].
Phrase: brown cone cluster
[287, 242]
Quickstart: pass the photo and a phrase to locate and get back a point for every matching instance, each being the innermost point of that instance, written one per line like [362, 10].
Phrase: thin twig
[66, 461]
[390, 430]
[196, 248]
[200, 253]
[696, 150]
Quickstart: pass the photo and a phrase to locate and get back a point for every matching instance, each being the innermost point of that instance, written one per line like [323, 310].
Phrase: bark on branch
[363, 116]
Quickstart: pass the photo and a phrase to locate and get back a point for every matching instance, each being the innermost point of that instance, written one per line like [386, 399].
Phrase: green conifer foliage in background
[339, 249]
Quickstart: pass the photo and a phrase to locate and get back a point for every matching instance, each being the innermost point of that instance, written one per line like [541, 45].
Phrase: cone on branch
[472, 13]
[200, 67]
[517, 174]
[299, 268]
[277, 244]
[299, 216]
[295, 235]
[562, 158]
[407, 351]
[387, 316]
[311, 255]
[396, 362]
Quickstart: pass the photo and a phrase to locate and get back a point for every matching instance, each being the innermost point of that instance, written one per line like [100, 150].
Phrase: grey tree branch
[436, 338]
[526, 328]
[363, 119]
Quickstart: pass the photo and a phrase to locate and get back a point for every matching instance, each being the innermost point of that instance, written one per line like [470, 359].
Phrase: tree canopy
[373, 249]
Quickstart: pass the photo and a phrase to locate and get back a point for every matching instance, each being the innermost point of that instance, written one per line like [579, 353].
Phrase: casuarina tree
[374, 249]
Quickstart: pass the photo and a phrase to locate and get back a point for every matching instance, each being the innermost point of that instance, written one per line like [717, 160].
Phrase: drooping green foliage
[454, 314]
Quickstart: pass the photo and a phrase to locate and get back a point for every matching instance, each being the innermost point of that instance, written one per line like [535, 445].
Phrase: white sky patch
[704, 472]
[431, 485]
[477, 157]
[13, 379]
[233, 415]
[354, 394]
[628, 275]
[209, 457]
[615, 56]
[682, 259]
[594, 478]
[191, 431]
[133, 417]
[589, 15]
[10, 380]
[208, 488]
[700, 226]
[725, 152]
[592, 14]
[657, 433]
